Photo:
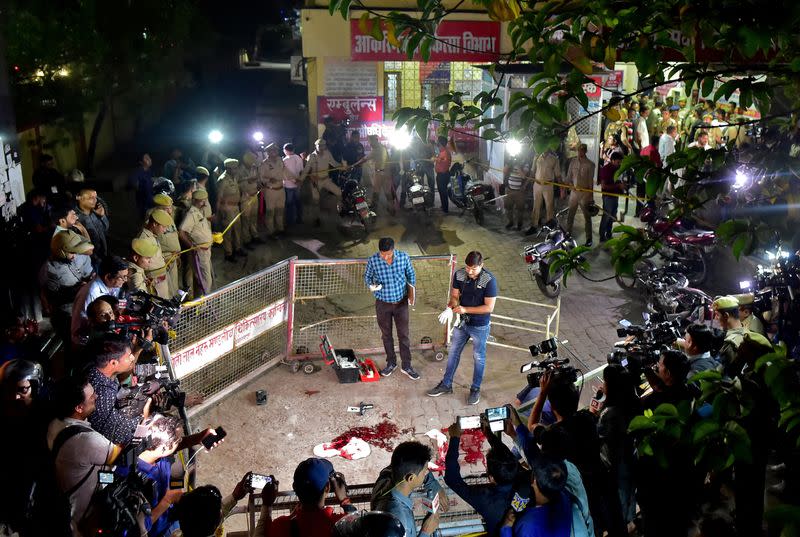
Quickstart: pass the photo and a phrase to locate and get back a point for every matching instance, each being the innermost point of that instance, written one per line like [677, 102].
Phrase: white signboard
[347, 78]
[203, 352]
[253, 326]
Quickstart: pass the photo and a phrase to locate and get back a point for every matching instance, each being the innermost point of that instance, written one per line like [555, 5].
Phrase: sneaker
[439, 390]
[474, 397]
[410, 373]
[388, 370]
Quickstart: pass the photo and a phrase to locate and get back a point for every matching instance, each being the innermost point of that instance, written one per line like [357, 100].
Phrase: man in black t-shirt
[354, 152]
[472, 296]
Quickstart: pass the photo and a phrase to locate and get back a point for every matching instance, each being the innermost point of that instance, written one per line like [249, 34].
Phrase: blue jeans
[294, 211]
[479, 335]
[610, 205]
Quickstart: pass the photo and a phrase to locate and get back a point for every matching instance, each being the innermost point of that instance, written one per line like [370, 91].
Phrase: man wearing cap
[249, 185]
[169, 242]
[69, 267]
[316, 171]
[156, 272]
[580, 174]
[228, 197]
[546, 170]
[726, 312]
[272, 174]
[749, 320]
[313, 479]
[195, 233]
[202, 184]
[142, 252]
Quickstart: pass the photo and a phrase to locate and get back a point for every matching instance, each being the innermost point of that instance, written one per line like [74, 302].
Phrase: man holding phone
[391, 278]
[473, 295]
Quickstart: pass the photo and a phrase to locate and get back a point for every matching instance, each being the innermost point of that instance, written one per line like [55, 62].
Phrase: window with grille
[419, 83]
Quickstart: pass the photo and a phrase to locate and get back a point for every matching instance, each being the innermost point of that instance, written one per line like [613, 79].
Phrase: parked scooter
[536, 256]
[416, 191]
[354, 202]
[468, 194]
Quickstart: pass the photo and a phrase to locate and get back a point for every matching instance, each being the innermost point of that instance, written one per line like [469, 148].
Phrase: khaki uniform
[730, 345]
[545, 169]
[206, 208]
[137, 281]
[581, 175]
[754, 324]
[228, 198]
[315, 178]
[171, 248]
[248, 185]
[182, 207]
[197, 226]
[271, 175]
[156, 274]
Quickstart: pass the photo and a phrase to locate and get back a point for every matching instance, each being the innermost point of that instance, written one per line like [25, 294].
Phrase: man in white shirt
[641, 136]
[666, 143]
[78, 450]
[112, 274]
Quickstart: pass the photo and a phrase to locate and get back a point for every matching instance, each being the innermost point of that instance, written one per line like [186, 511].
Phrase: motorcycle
[468, 194]
[354, 201]
[682, 244]
[536, 256]
[416, 191]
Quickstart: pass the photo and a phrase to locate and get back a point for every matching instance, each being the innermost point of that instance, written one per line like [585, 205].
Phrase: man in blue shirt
[472, 296]
[391, 278]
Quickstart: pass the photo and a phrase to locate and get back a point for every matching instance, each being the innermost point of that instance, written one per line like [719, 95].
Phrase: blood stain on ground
[471, 446]
[379, 435]
[311, 392]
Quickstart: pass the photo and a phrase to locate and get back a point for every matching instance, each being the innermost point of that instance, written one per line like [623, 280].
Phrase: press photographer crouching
[668, 380]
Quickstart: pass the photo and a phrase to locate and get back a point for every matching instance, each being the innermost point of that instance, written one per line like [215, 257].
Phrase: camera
[644, 343]
[143, 311]
[117, 505]
[559, 366]
[132, 403]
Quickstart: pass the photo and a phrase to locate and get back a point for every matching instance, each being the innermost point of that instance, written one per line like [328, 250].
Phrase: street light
[215, 136]
[400, 139]
[514, 147]
[258, 136]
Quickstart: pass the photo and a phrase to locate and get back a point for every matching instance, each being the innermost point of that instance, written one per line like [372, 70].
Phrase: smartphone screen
[496, 426]
[470, 422]
[259, 481]
[105, 478]
[497, 413]
[210, 440]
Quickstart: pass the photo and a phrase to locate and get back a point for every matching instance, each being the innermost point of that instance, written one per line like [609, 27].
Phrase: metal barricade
[329, 297]
[232, 334]
[516, 322]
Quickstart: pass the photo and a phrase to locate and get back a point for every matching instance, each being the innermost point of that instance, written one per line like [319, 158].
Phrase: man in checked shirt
[391, 278]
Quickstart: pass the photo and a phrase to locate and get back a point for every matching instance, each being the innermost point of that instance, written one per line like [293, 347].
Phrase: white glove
[375, 287]
[446, 316]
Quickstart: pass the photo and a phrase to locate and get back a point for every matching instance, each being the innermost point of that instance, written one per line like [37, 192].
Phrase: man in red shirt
[313, 480]
[610, 203]
[441, 165]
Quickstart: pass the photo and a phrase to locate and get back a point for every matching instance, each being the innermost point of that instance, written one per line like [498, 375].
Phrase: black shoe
[388, 370]
[241, 253]
[231, 258]
[474, 397]
[410, 373]
[440, 389]
[509, 225]
[519, 227]
[588, 244]
[531, 230]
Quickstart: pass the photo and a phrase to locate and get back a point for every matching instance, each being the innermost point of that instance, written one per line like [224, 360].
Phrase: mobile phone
[469, 422]
[258, 481]
[497, 426]
[105, 478]
[210, 440]
[431, 505]
[497, 413]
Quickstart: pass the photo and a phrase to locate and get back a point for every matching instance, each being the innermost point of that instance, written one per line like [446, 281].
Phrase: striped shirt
[393, 278]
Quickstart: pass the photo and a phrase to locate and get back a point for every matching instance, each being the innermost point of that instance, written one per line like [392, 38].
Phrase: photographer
[78, 450]
[490, 501]
[313, 479]
[668, 380]
[112, 355]
[111, 275]
[697, 343]
[202, 510]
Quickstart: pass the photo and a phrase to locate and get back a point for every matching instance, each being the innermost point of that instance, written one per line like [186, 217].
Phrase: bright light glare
[400, 139]
[741, 179]
[258, 136]
[215, 136]
[514, 147]
[745, 284]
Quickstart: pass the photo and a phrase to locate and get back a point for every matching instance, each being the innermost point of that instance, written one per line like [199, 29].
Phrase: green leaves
[739, 234]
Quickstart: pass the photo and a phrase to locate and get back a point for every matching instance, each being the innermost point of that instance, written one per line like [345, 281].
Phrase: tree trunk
[98, 124]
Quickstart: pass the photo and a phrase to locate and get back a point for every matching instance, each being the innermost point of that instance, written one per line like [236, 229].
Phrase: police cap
[144, 247]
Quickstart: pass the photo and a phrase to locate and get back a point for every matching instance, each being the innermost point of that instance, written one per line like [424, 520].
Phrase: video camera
[155, 379]
[144, 311]
[644, 343]
[118, 504]
[559, 366]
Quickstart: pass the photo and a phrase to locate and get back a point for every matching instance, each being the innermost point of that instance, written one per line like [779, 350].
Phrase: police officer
[473, 294]
[228, 198]
[195, 233]
[749, 319]
[318, 180]
[272, 173]
[202, 184]
[546, 170]
[248, 184]
[726, 313]
[169, 242]
[142, 251]
[158, 222]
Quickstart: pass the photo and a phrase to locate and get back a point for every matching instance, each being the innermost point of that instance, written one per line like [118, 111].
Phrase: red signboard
[457, 41]
[356, 109]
